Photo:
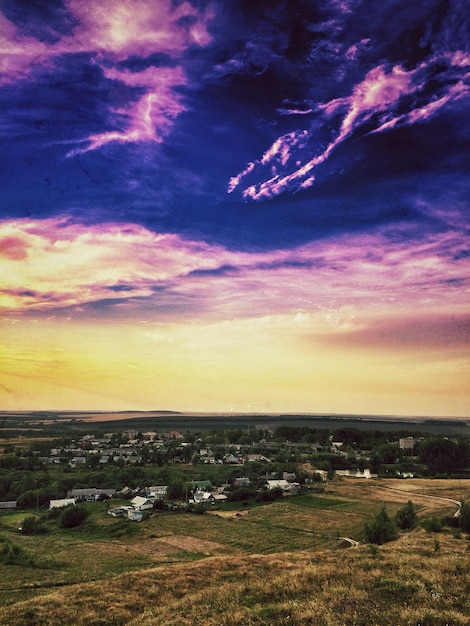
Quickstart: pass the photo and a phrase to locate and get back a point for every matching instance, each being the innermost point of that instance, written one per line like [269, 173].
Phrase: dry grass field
[406, 582]
[274, 565]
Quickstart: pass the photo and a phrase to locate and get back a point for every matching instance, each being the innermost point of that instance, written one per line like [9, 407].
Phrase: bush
[406, 517]
[464, 517]
[12, 554]
[269, 495]
[73, 516]
[433, 525]
[32, 525]
[381, 530]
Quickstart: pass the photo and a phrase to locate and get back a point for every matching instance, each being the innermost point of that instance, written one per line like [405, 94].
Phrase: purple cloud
[111, 34]
[376, 101]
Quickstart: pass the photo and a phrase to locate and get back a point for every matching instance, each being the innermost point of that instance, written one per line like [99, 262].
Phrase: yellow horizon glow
[250, 365]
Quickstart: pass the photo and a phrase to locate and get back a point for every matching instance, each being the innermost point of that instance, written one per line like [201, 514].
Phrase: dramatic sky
[236, 205]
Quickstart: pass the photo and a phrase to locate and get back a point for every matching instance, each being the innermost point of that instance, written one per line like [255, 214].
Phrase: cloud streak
[112, 34]
[52, 265]
[373, 107]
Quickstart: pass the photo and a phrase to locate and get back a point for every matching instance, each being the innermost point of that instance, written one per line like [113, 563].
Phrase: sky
[235, 206]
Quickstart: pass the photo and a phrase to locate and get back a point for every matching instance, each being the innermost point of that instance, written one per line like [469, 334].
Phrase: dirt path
[458, 503]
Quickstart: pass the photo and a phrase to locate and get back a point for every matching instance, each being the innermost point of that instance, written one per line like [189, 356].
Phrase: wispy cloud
[52, 265]
[111, 34]
[374, 106]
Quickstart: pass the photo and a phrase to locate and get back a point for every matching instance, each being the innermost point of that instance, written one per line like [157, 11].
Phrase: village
[143, 472]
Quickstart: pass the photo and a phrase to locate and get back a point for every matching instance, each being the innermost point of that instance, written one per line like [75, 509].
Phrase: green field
[105, 547]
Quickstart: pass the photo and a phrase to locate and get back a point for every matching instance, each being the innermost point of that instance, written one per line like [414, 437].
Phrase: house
[208, 497]
[201, 496]
[140, 503]
[282, 484]
[150, 435]
[406, 443]
[323, 474]
[58, 504]
[8, 505]
[90, 494]
[252, 458]
[77, 460]
[157, 491]
[231, 459]
[134, 515]
[218, 498]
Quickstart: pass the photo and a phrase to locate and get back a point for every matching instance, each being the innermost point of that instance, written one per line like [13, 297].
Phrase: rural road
[457, 503]
[353, 542]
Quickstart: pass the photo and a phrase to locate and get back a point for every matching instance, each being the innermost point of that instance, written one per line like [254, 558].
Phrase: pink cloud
[13, 248]
[150, 118]
[377, 95]
[113, 32]
[71, 265]
[425, 332]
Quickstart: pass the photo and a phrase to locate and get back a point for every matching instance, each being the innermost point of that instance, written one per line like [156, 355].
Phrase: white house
[282, 484]
[134, 515]
[140, 503]
[58, 504]
[157, 491]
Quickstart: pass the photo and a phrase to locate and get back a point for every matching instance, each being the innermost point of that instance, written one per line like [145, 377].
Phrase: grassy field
[282, 563]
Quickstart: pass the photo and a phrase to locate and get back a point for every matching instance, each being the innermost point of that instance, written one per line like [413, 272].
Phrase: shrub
[269, 495]
[406, 517]
[381, 530]
[464, 517]
[73, 516]
[433, 525]
[32, 525]
[12, 554]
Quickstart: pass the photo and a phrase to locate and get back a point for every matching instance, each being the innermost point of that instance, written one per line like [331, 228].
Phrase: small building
[59, 504]
[134, 515]
[77, 460]
[156, 491]
[8, 505]
[140, 503]
[406, 443]
[282, 484]
[323, 474]
[117, 511]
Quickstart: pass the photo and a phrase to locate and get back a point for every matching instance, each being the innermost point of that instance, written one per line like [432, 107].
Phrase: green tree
[465, 517]
[444, 456]
[73, 516]
[381, 530]
[176, 489]
[406, 517]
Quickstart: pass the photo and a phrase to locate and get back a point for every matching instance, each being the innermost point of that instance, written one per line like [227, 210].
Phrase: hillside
[282, 563]
[407, 582]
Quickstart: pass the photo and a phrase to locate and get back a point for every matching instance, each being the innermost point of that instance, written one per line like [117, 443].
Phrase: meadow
[285, 562]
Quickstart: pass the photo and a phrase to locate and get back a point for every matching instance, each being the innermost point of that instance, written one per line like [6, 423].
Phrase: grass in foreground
[406, 582]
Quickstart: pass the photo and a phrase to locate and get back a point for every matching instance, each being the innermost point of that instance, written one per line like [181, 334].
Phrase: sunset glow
[208, 207]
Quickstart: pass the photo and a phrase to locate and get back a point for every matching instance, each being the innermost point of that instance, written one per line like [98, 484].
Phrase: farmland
[297, 534]
[296, 555]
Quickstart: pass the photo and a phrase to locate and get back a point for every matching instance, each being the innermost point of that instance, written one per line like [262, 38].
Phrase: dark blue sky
[268, 71]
